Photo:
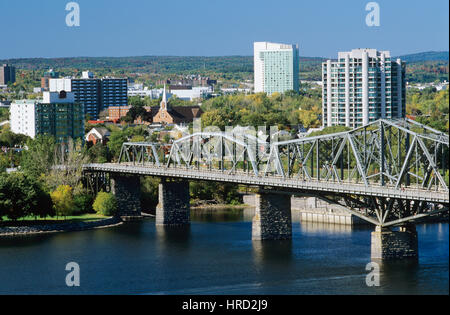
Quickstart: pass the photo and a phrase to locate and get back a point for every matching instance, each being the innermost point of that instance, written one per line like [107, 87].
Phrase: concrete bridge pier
[127, 190]
[174, 203]
[394, 245]
[272, 220]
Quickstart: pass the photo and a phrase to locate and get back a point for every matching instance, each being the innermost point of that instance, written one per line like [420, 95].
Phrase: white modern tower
[362, 86]
[276, 67]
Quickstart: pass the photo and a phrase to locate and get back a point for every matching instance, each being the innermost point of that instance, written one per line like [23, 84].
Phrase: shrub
[62, 199]
[105, 204]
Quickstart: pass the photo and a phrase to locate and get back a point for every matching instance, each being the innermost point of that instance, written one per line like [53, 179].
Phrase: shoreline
[60, 227]
[49, 228]
[220, 206]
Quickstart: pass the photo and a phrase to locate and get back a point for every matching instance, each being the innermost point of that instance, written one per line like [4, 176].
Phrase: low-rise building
[189, 93]
[165, 114]
[97, 135]
[117, 112]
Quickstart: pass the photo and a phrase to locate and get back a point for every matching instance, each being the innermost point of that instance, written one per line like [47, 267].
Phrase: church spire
[164, 98]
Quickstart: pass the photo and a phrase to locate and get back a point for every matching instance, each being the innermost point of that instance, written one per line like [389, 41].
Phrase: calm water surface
[217, 256]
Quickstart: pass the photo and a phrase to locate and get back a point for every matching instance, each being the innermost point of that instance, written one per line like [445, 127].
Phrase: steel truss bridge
[387, 172]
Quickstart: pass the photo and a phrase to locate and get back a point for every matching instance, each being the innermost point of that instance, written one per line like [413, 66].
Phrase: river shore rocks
[57, 227]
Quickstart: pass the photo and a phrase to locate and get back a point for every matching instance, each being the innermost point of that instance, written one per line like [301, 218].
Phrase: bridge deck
[275, 182]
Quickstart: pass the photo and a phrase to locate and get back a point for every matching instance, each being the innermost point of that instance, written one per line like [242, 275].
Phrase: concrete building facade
[362, 86]
[276, 67]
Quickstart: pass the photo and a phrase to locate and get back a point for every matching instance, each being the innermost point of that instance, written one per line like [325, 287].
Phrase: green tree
[68, 165]
[105, 204]
[137, 111]
[23, 196]
[99, 153]
[4, 162]
[10, 139]
[115, 142]
[38, 158]
[82, 203]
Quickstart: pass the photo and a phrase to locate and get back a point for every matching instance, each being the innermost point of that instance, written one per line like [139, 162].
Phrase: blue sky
[33, 28]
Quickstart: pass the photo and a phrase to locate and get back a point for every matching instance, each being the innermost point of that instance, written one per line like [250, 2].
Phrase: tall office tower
[276, 67]
[94, 94]
[56, 114]
[7, 74]
[362, 86]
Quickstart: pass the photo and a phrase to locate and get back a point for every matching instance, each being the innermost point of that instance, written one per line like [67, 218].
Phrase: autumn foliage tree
[105, 204]
[63, 200]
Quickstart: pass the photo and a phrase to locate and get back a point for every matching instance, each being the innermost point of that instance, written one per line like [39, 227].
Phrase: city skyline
[184, 30]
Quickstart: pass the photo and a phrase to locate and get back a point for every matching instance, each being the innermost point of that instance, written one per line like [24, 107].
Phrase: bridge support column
[272, 220]
[174, 203]
[391, 245]
[127, 190]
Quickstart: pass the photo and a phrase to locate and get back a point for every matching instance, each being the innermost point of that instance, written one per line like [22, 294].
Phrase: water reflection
[272, 252]
[217, 215]
[319, 228]
[169, 236]
[18, 241]
[399, 276]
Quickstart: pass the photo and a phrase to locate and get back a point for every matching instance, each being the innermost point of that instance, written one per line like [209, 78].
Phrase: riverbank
[30, 228]
[220, 206]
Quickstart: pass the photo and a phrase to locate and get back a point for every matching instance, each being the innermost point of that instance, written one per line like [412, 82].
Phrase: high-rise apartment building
[7, 74]
[56, 114]
[88, 93]
[114, 92]
[276, 67]
[362, 86]
[95, 94]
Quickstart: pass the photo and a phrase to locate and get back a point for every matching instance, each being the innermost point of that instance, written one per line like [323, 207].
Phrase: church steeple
[164, 99]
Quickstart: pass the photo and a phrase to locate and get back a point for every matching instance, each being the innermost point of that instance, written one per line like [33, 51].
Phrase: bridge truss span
[387, 172]
[398, 154]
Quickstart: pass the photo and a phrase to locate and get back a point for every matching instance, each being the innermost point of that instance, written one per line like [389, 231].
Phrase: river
[216, 255]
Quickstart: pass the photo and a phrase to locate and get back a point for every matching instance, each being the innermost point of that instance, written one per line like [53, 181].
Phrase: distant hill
[164, 64]
[421, 67]
[426, 56]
